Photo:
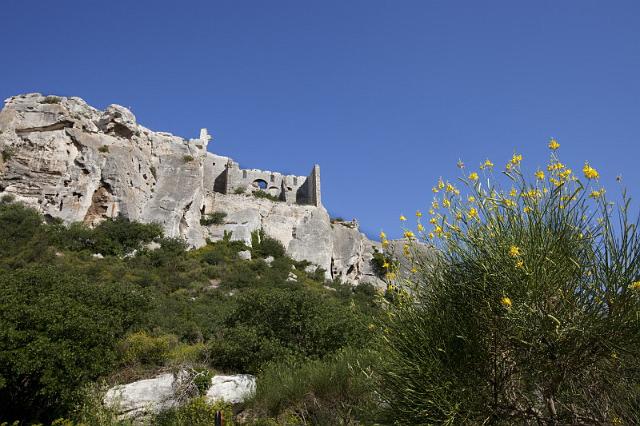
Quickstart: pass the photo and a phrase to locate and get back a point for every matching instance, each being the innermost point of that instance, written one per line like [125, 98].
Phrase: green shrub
[104, 149]
[196, 412]
[335, 390]
[240, 190]
[8, 153]
[188, 158]
[153, 171]
[141, 348]
[59, 332]
[244, 349]
[215, 218]
[530, 313]
[264, 194]
[272, 322]
[52, 100]
[264, 246]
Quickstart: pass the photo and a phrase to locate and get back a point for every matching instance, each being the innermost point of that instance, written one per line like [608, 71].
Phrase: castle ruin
[224, 176]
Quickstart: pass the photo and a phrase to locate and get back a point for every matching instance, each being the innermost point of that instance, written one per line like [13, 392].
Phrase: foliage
[188, 158]
[264, 246]
[68, 318]
[58, 333]
[51, 100]
[8, 153]
[142, 348]
[240, 190]
[197, 412]
[334, 390]
[112, 237]
[264, 194]
[104, 149]
[215, 218]
[269, 324]
[153, 171]
[383, 263]
[530, 314]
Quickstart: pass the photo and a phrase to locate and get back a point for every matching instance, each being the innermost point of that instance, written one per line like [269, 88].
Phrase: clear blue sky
[385, 95]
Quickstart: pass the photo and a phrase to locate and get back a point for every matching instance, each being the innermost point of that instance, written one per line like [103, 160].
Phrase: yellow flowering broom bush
[530, 312]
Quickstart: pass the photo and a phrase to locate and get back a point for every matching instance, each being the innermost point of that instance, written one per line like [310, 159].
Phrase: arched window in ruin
[260, 184]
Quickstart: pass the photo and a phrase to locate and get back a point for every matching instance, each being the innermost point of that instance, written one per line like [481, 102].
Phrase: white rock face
[231, 389]
[143, 397]
[74, 162]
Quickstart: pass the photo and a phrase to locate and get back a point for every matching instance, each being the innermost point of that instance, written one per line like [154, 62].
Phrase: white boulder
[232, 389]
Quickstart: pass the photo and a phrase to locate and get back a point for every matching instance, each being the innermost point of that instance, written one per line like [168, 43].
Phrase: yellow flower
[432, 212]
[527, 209]
[506, 302]
[555, 166]
[473, 213]
[409, 234]
[433, 220]
[471, 199]
[385, 265]
[513, 192]
[565, 174]
[414, 270]
[514, 251]
[418, 213]
[438, 229]
[508, 202]
[540, 175]
[391, 275]
[516, 159]
[440, 184]
[487, 164]
[473, 176]
[385, 243]
[420, 227]
[596, 194]
[434, 190]
[431, 235]
[446, 203]
[635, 285]
[402, 218]
[435, 204]
[553, 144]
[405, 249]
[520, 264]
[383, 236]
[590, 172]
[459, 216]
[450, 188]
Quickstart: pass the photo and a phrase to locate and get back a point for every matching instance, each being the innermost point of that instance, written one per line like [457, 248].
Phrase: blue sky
[385, 95]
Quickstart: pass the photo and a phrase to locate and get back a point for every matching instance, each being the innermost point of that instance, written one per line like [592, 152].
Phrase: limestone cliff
[74, 162]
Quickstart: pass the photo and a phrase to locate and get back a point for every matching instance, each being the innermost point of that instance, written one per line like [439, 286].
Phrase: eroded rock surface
[77, 163]
[232, 389]
[141, 398]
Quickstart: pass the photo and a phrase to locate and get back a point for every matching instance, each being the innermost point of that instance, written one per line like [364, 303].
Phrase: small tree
[531, 311]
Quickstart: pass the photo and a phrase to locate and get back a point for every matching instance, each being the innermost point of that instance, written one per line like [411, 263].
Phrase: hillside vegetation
[82, 308]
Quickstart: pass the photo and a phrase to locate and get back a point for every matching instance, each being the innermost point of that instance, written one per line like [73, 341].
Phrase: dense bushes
[58, 332]
[530, 315]
[334, 390]
[68, 319]
[275, 323]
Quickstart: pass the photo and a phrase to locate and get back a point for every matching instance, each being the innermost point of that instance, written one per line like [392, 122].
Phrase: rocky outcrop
[74, 162]
[142, 398]
[231, 389]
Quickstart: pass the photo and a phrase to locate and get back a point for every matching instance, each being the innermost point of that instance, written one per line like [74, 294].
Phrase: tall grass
[531, 312]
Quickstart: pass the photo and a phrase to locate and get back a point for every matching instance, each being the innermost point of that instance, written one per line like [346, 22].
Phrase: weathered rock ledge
[77, 163]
